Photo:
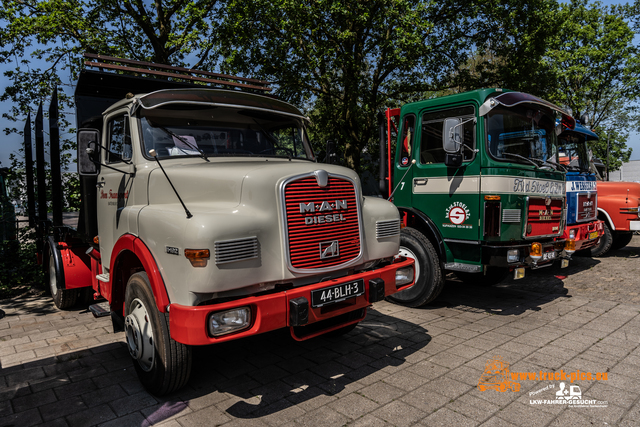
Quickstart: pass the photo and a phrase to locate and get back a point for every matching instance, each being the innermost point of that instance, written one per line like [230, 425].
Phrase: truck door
[114, 183]
[448, 195]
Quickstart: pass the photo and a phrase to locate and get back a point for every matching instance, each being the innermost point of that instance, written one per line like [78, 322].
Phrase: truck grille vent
[511, 215]
[322, 223]
[543, 219]
[390, 228]
[236, 250]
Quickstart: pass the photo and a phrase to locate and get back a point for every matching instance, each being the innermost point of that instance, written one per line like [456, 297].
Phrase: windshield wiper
[168, 132]
[554, 163]
[518, 156]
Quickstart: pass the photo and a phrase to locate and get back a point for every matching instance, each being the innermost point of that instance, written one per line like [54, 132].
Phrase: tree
[45, 40]
[597, 70]
[345, 61]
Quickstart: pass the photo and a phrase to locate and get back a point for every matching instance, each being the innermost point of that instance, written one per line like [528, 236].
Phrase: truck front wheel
[62, 298]
[429, 278]
[603, 246]
[162, 364]
[621, 239]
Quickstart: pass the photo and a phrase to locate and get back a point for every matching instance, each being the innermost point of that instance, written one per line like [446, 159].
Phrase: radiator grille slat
[316, 217]
[227, 251]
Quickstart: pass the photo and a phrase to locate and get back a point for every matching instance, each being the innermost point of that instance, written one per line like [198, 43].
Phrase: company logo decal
[581, 186]
[457, 214]
[324, 206]
[521, 185]
[330, 249]
[112, 197]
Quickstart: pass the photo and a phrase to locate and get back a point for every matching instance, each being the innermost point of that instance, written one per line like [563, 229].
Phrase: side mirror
[451, 138]
[88, 152]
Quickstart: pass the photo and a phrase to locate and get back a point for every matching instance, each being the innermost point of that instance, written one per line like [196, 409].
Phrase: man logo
[330, 249]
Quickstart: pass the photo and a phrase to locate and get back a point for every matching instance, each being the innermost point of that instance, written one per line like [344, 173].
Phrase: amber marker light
[536, 251]
[570, 246]
[492, 198]
[198, 257]
[96, 240]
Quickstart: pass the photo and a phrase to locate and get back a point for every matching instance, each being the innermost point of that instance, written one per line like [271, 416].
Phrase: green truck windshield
[522, 132]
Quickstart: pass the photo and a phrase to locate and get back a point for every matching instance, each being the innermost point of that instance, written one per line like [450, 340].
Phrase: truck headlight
[572, 234]
[513, 255]
[225, 322]
[404, 276]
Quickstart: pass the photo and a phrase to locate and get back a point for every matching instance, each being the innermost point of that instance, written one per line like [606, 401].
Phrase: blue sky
[12, 143]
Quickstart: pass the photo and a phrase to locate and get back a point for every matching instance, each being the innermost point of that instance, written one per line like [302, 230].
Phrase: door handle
[420, 181]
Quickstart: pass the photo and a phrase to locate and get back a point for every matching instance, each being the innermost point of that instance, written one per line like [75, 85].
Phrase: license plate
[593, 235]
[337, 293]
[548, 255]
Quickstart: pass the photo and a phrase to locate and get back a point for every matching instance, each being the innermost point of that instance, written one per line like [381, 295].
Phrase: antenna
[153, 154]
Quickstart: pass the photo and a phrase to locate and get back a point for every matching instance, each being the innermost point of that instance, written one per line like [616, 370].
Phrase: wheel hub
[407, 253]
[140, 335]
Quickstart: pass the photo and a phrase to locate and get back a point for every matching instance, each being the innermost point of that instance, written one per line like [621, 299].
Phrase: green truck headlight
[404, 276]
[226, 322]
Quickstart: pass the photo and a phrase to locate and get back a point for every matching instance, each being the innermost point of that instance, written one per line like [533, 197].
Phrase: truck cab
[581, 188]
[477, 181]
[206, 218]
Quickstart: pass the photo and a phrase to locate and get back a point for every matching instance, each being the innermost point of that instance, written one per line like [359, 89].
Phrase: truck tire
[429, 277]
[162, 364]
[621, 239]
[492, 276]
[603, 246]
[62, 298]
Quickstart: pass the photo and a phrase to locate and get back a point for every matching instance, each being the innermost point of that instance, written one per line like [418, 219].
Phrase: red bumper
[586, 235]
[188, 325]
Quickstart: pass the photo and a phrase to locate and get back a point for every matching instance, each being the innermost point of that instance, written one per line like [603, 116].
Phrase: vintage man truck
[206, 218]
[477, 181]
[582, 198]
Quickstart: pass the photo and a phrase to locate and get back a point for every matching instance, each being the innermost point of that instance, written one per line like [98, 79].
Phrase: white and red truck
[206, 218]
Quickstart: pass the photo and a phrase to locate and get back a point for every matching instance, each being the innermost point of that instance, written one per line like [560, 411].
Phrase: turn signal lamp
[570, 246]
[96, 240]
[493, 198]
[536, 251]
[198, 257]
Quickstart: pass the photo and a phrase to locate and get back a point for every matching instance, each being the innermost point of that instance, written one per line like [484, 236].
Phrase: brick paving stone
[91, 417]
[22, 419]
[354, 405]
[399, 413]
[62, 408]
[446, 417]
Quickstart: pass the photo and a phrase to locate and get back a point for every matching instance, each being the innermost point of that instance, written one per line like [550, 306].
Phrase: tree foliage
[597, 72]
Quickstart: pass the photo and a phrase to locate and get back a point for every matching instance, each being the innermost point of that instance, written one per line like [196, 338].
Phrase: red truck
[618, 207]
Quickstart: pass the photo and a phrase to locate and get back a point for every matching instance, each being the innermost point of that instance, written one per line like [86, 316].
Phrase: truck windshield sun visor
[511, 99]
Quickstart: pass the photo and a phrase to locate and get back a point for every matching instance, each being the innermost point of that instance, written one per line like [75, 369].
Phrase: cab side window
[431, 150]
[119, 140]
[408, 137]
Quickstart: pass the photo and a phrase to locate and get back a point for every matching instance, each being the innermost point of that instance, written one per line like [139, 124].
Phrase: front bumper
[188, 325]
[586, 235]
[496, 256]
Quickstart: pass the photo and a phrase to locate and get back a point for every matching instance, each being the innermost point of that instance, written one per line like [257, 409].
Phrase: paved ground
[399, 367]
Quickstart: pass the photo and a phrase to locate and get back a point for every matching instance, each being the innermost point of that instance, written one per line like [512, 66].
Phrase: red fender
[129, 242]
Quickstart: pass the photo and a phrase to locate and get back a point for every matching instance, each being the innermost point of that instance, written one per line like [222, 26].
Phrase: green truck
[478, 184]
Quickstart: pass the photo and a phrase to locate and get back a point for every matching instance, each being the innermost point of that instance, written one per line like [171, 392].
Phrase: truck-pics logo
[324, 206]
[458, 214]
[496, 376]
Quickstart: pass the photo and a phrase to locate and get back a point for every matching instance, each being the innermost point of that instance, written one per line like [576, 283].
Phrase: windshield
[192, 130]
[572, 152]
[523, 133]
